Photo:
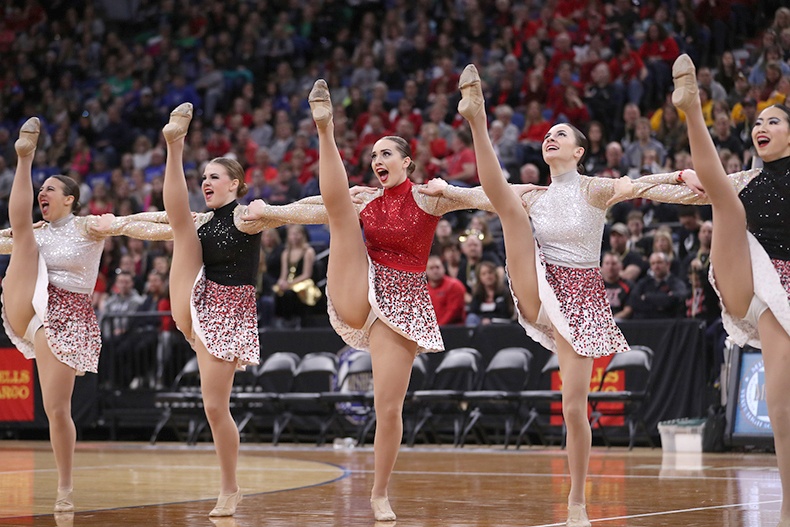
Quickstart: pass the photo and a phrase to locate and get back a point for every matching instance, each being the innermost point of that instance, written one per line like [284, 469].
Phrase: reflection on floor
[119, 484]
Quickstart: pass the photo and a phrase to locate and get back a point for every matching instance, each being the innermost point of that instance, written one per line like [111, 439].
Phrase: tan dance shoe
[226, 504]
[684, 74]
[320, 103]
[471, 93]
[64, 501]
[179, 122]
[382, 510]
[28, 137]
[577, 516]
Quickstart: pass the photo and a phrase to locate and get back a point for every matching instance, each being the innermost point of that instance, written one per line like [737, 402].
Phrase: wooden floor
[130, 484]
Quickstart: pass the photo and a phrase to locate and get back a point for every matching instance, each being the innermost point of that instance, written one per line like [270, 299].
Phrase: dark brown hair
[404, 149]
[70, 188]
[581, 140]
[235, 171]
[782, 107]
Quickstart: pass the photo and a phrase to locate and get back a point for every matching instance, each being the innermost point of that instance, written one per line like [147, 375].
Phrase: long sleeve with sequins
[299, 212]
[663, 188]
[459, 198]
[151, 226]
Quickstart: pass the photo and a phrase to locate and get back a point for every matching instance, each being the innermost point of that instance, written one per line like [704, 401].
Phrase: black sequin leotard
[766, 199]
[229, 255]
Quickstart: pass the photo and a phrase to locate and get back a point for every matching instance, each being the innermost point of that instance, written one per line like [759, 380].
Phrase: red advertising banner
[615, 381]
[16, 386]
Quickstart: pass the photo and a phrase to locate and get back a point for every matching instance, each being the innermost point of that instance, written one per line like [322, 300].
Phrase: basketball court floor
[135, 484]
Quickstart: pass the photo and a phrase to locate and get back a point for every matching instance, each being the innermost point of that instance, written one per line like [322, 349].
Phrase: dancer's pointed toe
[28, 137]
[226, 504]
[577, 516]
[320, 103]
[471, 93]
[684, 75]
[64, 502]
[179, 122]
[382, 510]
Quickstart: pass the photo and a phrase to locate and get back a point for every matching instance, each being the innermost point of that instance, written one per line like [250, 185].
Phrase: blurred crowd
[103, 76]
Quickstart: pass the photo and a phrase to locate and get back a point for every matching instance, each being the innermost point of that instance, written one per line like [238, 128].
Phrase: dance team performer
[750, 252]
[47, 312]
[555, 276]
[212, 283]
[376, 287]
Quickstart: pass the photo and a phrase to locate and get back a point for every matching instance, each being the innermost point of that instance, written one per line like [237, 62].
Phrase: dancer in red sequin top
[390, 313]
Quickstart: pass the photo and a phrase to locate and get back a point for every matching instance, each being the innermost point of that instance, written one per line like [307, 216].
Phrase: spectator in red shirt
[460, 166]
[447, 81]
[263, 164]
[563, 52]
[658, 52]
[447, 293]
[628, 71]
[557, 91]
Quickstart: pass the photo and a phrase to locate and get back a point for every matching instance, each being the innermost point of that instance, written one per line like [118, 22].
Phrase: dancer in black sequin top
[750, 252]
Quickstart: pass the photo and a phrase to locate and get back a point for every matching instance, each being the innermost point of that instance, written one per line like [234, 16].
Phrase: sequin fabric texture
[72, 257]
[583, 303]
[230, 255]
[227, 321]
[72, 330]
[766, 200]
[783, 269]
[401, 300]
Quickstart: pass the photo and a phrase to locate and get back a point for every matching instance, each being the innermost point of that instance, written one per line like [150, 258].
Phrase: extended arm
[144, 226]
[258, 216]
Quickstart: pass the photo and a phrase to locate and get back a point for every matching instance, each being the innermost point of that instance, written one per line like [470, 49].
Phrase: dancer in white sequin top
[556, 282]
[47, 288]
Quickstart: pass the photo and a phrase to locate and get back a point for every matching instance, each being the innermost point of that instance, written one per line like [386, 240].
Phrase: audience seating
[499, 396]
[637, 365]
[455, 375]
[182, 405]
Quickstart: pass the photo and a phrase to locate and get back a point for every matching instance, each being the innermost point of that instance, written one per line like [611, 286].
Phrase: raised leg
[187, 253]
[730, 246]
[347, 269]
[576, 371]
[516, 229]
[393, 356]
[20, 278]
[776, 354]
[57, 386]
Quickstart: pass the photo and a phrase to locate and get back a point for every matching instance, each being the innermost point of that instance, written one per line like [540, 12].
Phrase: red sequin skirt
[70, 326]
[574, 302]
[224, 318]
[771, 278]
[400, 299]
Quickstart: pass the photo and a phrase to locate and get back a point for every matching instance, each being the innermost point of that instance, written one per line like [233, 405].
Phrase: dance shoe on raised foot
[577, 516]
[471, 93]
[320, 103]
[179, 122]
[382, 510]
[226, 504]
[684, 74]
[64, 501]
[28, 137]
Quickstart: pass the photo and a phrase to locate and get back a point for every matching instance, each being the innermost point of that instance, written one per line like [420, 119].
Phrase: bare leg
[347, 269]
[730, 248]
[519, 243]
[216, 382]
[393, 356]
[57, 386]
[187, 252]
[20, 279]
[576, 371]
[776, 354]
